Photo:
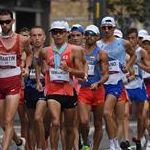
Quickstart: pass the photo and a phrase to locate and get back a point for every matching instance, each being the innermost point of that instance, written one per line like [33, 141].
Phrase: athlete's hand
[125, 69]
[64, 66]
[94, 86]
[25, 72]
[39, 86]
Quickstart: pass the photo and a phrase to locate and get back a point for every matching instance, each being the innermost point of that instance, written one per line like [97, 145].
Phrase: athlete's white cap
[57, 25]
[108, 21]
[142, 33]
[118, 33]
[146, 38]
[93, 28]
[65, 23]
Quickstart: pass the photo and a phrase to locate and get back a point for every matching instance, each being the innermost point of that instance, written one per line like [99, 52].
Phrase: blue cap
[77, 27]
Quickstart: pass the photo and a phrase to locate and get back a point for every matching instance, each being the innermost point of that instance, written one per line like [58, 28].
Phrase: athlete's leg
[98, 115]
[69, 119]
[31, 131]
[84, 115]
[140, 118]
[11, 105]
[24, 122]
[63, 131]
[126, 121]
[55, 112]
[119, 112]
[39, 125]
[108, 115]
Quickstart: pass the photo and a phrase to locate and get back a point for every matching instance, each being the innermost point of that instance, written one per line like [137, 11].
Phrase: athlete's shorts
[123, 96]
[21, 100]
[91, 97]
[66, 101]
[147, 84]
[10, 86]
[32, 95]
[138, 94]
[114, 89]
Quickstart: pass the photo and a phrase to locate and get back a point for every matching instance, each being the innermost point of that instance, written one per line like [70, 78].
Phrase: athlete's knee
[107, 113]
[55, 124]
[8, 122]
[38, 118]
[98, 124]
[84, 124]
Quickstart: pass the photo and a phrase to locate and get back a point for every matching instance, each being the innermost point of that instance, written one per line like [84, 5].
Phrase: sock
[111, 143]
[116, 143]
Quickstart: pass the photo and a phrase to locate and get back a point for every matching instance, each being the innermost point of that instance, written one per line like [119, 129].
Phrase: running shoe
[148, 146]
[22, 146]
[84, 147]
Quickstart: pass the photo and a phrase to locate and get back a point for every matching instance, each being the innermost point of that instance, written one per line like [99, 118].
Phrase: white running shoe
[22, 146]
[143, 142]
[112, 148]
[148, 146]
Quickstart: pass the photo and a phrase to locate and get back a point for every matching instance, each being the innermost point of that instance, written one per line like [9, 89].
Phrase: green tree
[128, 11]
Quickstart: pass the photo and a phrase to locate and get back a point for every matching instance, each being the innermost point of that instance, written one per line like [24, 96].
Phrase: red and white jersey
[10, 59]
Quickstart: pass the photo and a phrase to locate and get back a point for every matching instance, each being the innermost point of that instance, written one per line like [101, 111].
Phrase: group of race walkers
[55, 88]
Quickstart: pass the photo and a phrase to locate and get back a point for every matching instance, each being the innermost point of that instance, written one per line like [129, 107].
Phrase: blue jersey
[30, 81]
[94, 73]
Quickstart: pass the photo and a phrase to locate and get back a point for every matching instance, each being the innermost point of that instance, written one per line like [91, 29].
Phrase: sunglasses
[91, 33]
[54, 32]
[107, 27]
[2, 22]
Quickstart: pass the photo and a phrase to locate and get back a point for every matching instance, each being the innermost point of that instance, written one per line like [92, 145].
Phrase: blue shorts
[114, 89]
[32, 95]
[138, 94]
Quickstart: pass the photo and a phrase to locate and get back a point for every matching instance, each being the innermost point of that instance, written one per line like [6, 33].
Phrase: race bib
[32, 74]
[114, 65]
[58, 75]
[8, 60]
[91, 69]
[136, 69]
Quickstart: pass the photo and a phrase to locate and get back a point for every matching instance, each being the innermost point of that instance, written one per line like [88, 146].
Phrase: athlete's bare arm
[104, 66]
[40, 62]
[145, 62]
[78, 62]
[132, 55]
[103, 63]
[25, 47]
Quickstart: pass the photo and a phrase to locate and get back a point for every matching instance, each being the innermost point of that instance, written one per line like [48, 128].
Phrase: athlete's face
[90, 37]
[59, 36]
[108, 30]
[37, 37]
[6, 23]
[146, 45]
[77, 37]
[133, 39]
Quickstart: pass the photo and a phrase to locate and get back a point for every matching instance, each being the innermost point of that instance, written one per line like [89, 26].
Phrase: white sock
[111, 143]
[116, 143]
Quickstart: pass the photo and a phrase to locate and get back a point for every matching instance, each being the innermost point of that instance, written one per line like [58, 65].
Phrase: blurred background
[42, 12]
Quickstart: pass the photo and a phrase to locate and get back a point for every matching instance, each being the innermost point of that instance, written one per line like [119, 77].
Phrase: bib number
[114, 65]
[8, 60]
[58, 75]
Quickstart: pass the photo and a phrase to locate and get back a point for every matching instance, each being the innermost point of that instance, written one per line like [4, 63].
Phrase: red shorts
[93, 98]
[123, 96]
[21, 100]
[10, 86]
[147, 84]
